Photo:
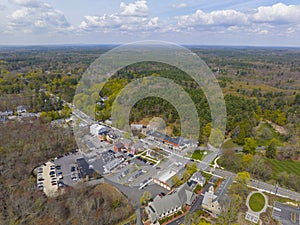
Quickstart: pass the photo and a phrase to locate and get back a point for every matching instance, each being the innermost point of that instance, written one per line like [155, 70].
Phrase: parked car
[52, 173]
[58, 167]
[40, 170]
[60, 184]
[60, 176]
[73, 169]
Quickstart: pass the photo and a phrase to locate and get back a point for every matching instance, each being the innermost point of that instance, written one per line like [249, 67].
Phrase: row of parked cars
[74, 175]
[40, 178]
[55, 176]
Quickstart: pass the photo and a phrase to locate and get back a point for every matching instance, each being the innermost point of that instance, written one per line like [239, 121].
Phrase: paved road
[269, 188]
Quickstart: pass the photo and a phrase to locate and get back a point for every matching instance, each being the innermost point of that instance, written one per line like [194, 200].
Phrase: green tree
[247, 160]
[250, 145]
[271, 149]
[239, 187]
[216, 137]
[230, 209]
[206, 131]
[176, 181]
[66, 112]
[146, 197]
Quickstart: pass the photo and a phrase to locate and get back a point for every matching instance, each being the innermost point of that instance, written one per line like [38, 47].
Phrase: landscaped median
[257, 202]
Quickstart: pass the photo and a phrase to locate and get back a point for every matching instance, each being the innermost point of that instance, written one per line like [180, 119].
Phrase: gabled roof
[198, 177]
[183, 195]
[119, 144]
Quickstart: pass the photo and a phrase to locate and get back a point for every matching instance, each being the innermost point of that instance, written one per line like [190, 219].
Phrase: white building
[97, 129]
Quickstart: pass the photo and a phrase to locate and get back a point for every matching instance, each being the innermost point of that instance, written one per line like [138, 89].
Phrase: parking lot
[47, 179]
[66, 162]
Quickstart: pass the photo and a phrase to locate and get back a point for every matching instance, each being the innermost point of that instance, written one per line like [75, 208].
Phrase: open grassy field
[288, 166]
[257, 202]
[199, 154]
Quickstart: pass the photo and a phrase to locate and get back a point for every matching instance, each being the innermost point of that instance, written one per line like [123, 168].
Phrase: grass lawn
[288, 166]
[257, 202]
[199, 154]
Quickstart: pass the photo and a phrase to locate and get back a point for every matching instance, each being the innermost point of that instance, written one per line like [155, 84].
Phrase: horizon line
[115, 44]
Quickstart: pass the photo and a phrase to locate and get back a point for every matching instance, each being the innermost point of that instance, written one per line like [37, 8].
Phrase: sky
[191, 22]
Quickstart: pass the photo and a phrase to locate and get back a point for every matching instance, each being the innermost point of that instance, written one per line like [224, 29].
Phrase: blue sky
[202, 22]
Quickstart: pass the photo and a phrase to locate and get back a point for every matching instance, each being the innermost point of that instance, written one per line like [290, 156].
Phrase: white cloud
[278, 13]
[138, 8]
[275, 19]
[34, 16]
[179, 6]
[153, 22]
[132, 17]
[214, 18]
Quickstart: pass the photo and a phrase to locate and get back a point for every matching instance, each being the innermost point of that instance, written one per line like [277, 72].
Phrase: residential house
[137, 127]
[198, 178]
[21, 109]
[118, 146]
[111, 137]
[137, 147]
[127, 143]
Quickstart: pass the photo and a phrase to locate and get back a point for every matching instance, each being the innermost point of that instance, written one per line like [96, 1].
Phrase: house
[6, 113]
[112, 164]
[137, 127]
[137, 147]
[21, 109]
[162, 207]
[210, 202]
[4, 116]
[118, 146]
[111, 137]
[127, 143]
[198, 178]
[286, 214]
[108, 122]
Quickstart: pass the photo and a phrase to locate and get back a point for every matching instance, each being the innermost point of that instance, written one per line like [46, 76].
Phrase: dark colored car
[73, 169]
